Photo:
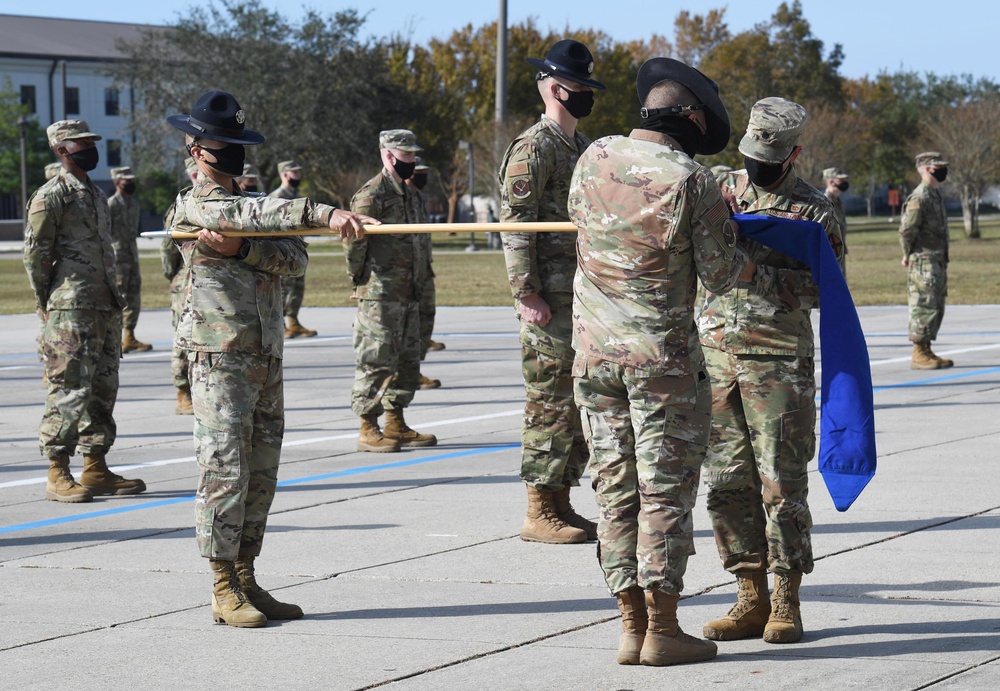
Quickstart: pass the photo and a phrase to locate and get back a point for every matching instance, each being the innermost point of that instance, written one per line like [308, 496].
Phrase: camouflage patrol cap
[190, 165]
[402, 140]
[60, 131]
[773, 131]
[288, 167]
[931, 158]
[249, 171]
[831, 173]
[421, 166]
[52, 170]
[122, 173]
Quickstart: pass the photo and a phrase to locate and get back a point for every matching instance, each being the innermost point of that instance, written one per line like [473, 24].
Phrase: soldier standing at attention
[758, 343]
[177, 273]
[71, 266]
[388, 274]
[534, 181]
[248, 181]
[652, 221]
[293, 288]
[838, 182]
[231, 328]
[124, 235]
[428, 296]
[923, 234]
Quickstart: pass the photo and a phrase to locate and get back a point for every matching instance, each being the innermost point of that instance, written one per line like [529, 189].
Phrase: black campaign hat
[569, 60]
[217, 116]
[655, 70]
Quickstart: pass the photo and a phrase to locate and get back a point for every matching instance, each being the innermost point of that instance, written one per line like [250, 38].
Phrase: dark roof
[80, 39]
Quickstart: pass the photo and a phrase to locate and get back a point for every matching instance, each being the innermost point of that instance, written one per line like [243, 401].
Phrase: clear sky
[950, 37]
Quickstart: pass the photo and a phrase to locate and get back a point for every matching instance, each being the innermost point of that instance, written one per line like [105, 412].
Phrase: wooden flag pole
[391, 228]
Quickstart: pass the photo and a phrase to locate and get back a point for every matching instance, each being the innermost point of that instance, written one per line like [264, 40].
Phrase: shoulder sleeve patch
[520, 188]
[520, 168]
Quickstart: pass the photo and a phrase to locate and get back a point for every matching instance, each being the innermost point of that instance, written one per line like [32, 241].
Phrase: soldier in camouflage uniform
[534, 181]
[124, 234]
[389, 274]
[758, 342]
[838, 182]
[923, 234]
[231, 328]
[639, 376]
[71, 266]
[248, 182]
[293, 288]
[428, 296]
[177, 273]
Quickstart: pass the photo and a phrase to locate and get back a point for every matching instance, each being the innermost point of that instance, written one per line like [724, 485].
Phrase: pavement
[409, 565]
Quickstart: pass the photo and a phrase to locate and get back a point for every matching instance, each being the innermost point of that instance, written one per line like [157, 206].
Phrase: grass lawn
[479, 278]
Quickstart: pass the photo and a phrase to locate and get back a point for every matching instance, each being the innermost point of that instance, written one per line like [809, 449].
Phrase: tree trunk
[970, 212]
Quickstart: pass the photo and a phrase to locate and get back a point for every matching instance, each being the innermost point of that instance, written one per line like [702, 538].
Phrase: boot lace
[782, 605]
[744, 599]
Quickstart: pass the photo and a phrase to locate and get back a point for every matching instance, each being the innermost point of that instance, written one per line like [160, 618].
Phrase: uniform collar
[399, 187]
[655, 137]
[573, 142]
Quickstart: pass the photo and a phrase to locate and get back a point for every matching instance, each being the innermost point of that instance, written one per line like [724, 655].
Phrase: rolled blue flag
[847, 456]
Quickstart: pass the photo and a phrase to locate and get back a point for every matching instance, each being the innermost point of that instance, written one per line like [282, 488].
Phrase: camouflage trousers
[386, 355]
[178, 356]
[293, 291]
[927, 286]
[239, 413]
[763, 437]
[130, 283]
[80, 350]
[647, 438]
[428, 310]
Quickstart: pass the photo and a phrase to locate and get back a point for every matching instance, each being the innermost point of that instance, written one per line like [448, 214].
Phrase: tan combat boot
[230, 605]
[99, 480]
[131, 344]
[428, 383]
[370, 438]
[434, 345]
[569, 516]
[747, 618]
[785, 623]
[541, 524]
[260, 598]
[632, 605]
[665, 644]
[945, 362]
[184, 404]
[61, 486]
[397, 429]
[295, 329]
[923, 358]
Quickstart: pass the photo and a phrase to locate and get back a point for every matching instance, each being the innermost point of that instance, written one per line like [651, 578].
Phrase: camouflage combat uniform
[428, 296]
[923, 234]
[71, 266]
[639, 374]
[232, 329]
[176, 271]
[534, 183]
[389, 274]
[838, 211]
[759, 352]
[124, 211]
[293, 288]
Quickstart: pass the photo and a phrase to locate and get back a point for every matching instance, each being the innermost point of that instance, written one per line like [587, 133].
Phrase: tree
[36, 145]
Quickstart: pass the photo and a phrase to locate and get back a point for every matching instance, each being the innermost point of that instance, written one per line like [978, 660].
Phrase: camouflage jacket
[425, 239]
[838, 210]
[233, 304]
[534, 181]
[68, 249]
[283, 193]
[387, 267]
[171, 258]
[124, 230]
[651, 222]
[923, 228]
[754, 318]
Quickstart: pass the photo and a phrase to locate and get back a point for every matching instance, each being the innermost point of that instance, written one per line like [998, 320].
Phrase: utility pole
[472, 182]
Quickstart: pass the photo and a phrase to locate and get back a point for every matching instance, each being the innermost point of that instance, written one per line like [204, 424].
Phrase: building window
[72, 100]
[111, 106]
[114, 152]
[28, 97]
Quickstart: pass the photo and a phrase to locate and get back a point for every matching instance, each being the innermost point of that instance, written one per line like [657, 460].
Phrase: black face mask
[403, 170]
[763, 174]
[940, 174]
[419, 180]
[293, 183]
[128, 188]
[843, 186]
[229, 159]
[685, 131]
[579, 104]
[86, 159]
[250, 188]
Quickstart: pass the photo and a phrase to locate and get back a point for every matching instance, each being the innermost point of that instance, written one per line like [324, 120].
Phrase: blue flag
[847, 455]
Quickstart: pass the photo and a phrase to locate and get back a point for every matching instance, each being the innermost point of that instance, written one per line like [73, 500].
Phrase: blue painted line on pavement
[936, 380]
[282, 483]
